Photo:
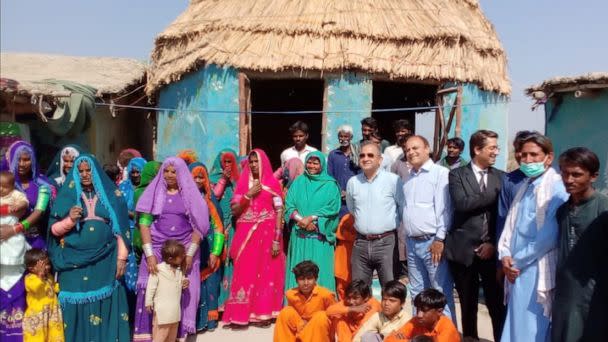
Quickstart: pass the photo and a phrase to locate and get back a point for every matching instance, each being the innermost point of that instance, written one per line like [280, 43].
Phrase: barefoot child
[164, 292]
[13, 204]
[304, 319]
[42, 320]
[429, 321]
[388, 320]
[349, 314]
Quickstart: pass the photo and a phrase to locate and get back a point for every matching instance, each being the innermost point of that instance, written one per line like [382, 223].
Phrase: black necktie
[482, 189]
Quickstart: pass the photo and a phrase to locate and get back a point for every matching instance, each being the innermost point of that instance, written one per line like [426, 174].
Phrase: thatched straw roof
[441, 40]
[564, 84]
[107, 75]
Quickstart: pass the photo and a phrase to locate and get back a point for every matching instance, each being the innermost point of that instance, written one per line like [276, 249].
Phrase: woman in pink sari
[256, 294]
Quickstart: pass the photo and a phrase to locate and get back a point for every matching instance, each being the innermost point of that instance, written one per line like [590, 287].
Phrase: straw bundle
[403, 39]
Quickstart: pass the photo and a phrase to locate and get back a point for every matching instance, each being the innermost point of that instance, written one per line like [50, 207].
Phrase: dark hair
[298, 126]
[429, 299]
[171, 249]
[9, 175]
[125, 157]
[111, 170]
[456, 141]
[479, 140]
[395, 289]
[401, 124]
[581, 156]
[422, 338]
[371, 122]
[358, 287]
[424, 141]
[519, 137]
[542, 141]
[306, 268]
[376, 136]
[33, 255]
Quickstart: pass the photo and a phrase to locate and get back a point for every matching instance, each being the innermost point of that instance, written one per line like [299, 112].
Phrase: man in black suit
[470, 245]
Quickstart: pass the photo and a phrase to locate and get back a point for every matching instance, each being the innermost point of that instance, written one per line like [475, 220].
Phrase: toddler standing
[42, 320]
[164, 292]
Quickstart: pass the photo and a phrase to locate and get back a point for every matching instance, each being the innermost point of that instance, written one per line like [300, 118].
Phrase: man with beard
[403, 129]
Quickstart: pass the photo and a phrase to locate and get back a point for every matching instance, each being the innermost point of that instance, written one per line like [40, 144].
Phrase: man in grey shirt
[375, 199]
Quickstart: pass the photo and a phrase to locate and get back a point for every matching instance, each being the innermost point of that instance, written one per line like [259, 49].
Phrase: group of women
[104, 240]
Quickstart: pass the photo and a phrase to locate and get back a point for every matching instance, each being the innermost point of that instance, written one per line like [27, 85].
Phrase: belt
[424, 237]
[371, 237]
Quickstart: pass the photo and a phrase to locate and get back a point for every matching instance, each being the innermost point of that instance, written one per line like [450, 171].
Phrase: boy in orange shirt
[429, 321]
[305, 319]
[349, 314]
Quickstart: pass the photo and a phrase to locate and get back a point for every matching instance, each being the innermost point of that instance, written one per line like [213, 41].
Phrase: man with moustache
[403, 129]
[375, 198]
[470, 245]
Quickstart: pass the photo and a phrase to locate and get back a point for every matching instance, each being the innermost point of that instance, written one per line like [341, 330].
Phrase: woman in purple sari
[171, 207]
[21, 161]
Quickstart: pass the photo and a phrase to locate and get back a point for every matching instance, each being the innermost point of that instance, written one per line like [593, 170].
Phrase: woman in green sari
[312, 206]
[148, 173]
[87, 244]
[224, 175]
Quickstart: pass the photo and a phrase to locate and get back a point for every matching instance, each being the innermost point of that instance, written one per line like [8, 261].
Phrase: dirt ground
[265, 335]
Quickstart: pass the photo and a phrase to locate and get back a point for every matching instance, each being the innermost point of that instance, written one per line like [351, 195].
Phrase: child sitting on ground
[305, 319]
[388, 320]
[42, 320]
[429, 320]
[349, 314]
[13, 204]
[164, 292]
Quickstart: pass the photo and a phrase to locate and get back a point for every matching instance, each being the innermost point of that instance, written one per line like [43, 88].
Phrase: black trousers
[466, 279]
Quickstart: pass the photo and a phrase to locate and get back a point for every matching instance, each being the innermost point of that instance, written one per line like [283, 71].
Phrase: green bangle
[146, 219]
[218, 244]
[44, 195]
[25, 224]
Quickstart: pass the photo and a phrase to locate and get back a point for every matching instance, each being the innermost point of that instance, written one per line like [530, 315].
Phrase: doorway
[387, 95]
[270, 132]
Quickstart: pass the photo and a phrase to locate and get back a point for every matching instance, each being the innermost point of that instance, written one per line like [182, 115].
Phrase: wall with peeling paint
[210, 88]
[481, 110]
[573, 122]
[344, 94]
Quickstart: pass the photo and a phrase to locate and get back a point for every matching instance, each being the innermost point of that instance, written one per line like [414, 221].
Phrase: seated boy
[429, 321]
[349, 314]
[388, 320]
[304, 319]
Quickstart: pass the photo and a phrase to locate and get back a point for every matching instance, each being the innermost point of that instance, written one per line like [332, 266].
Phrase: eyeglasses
[368, 155]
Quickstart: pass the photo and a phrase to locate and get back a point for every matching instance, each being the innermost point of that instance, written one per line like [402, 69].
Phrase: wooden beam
[458, 105]
[244, 114]
[447, 90]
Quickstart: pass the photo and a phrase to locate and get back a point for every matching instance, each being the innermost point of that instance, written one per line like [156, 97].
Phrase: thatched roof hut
[561, 84]
[414, 40]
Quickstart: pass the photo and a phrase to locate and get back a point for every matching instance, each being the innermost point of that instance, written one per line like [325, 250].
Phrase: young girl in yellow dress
[42, 320]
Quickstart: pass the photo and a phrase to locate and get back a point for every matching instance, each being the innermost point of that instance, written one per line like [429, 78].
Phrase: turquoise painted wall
[581, 122]
[481, 110]
[210, 88]
[348, 92]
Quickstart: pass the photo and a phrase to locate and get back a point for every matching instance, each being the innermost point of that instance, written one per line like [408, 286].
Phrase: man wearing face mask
[527, 247]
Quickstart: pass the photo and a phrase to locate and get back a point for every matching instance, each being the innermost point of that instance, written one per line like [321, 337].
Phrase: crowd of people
[155, 251]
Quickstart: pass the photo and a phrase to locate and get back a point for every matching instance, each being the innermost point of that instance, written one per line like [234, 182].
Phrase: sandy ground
[265, 335]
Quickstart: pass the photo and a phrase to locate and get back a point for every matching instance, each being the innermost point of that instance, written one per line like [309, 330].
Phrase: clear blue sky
[543, 38]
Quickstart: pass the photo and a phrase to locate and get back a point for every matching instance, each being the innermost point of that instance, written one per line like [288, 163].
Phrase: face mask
[532, 169]
[344, 143]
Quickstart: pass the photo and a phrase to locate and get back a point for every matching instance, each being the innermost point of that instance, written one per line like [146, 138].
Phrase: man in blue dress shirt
[375, 198]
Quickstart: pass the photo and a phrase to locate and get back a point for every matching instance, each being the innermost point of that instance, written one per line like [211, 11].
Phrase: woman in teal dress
[87, 244]
[223, 176]
[311, 208]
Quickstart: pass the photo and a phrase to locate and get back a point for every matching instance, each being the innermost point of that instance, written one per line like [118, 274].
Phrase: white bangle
[192, 249]
[298, 217]
[147, 248]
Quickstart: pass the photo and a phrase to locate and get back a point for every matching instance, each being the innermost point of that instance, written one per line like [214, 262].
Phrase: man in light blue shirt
[427, 214]
[375, 198]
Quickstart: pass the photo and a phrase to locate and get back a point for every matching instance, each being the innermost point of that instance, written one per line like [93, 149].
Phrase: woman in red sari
[256, 294]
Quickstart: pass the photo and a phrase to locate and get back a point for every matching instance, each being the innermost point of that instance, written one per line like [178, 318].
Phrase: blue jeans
[423, 274]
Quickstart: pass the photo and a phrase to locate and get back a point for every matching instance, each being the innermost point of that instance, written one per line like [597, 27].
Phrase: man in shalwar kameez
[528, 244]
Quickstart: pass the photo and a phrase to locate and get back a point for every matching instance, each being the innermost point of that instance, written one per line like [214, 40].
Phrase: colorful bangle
[25, 224]
[18, 228]
[277, 234]
[218, 244]
[145, 219]
[192, 249]
[147, 248]
[44, 195]
[5, 209]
